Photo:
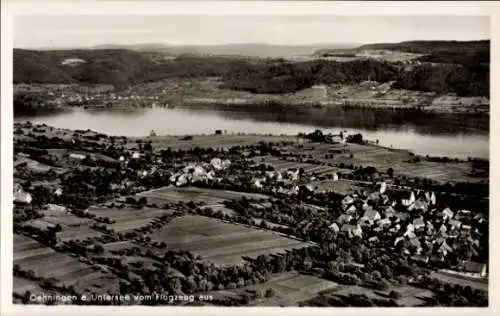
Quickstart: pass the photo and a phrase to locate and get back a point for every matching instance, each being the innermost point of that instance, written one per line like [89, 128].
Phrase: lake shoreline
[462, 136]
[191, 139]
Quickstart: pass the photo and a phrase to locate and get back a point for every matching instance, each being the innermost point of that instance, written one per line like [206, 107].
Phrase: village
[73, 189]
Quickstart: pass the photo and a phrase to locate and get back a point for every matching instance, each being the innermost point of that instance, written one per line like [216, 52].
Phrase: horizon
[319, 45]
[86, 31]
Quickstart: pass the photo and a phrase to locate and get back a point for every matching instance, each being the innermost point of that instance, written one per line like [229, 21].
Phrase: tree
[270, 292]
[390, 172]
[395, 295]
[142, 201]
[26, 297]
[99, 249]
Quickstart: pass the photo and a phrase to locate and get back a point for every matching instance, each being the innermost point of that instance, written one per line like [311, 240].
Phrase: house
[402, 216]
[334, 227]
[54, 208]
[409, 201]
[443, 229]
[351, 210]
[385, 200]
[383, 187]
[136, 155]
[466, 227]
[474, 268]
[373, 239]
[22, 197]
[385, 222]
[389, 212]
[464, 212]
[418, 205]
[444, 249]
[410, 227]
[427, 197]
[455, 224]
[398, 240]
[418, 223]
[479, 217]
[347, 200]
[58, 192]
[447, 214]
[420, 258]
[410, 234]
[433, 198]
[415, 244]
[352, 230]
[77, 156]
[395, 229]
[367, 207]
[344, 218]
[371, 216]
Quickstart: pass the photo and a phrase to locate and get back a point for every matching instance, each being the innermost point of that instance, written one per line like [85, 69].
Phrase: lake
[452, 135]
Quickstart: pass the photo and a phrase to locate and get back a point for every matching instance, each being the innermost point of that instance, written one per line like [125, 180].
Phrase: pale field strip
[221, 242]
[46, 262]
[119, 245]
[208, 196]
[66, 219]
[21, 285]
[78, 232]
[290, 287]
[383, 158]
[205, 141]
[464, 281]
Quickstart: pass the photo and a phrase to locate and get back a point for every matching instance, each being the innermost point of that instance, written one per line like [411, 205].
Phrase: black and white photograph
[248, 159]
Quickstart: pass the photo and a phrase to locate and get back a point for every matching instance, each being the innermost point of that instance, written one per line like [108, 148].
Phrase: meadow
[45, 262]
[290, 289]
[220, 242]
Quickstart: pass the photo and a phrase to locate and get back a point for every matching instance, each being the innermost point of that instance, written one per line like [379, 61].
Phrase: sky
[86, 30]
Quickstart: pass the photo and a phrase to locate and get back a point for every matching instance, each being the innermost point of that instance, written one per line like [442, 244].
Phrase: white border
[10, 8]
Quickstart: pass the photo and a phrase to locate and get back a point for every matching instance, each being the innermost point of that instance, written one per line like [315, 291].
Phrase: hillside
[429, 47]
[447, 52]
[453, 52]
[250, 49]
[122, 68]
[116, 67]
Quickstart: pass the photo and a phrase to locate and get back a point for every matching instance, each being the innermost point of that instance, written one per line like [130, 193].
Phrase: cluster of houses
[276, 177]
[202, 172]
[20, 196]
[415, 225]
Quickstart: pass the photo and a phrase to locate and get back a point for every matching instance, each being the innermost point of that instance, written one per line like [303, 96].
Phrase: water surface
[459, 135]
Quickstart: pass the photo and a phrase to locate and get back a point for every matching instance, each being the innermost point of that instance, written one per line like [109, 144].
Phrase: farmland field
[481, 284]
[282, 165]
[65, 219]
[186, 194]
[77, 232]
[383, 158]
[215, 141]
[21, 285]
[220, 242]
[128, 219]
[290, 288]
[341, 186]
[410, 295]
[46, 262]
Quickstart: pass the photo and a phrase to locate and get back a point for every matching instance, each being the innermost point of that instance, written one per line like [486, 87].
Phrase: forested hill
[457, 52]
[113, 66]
[124, 67]
[428, 47]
